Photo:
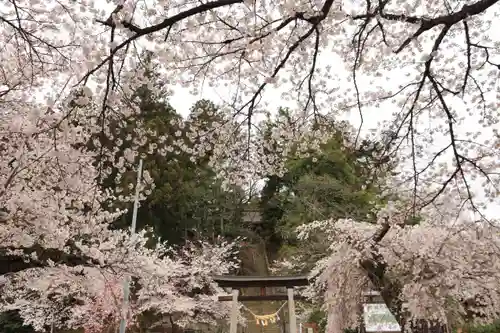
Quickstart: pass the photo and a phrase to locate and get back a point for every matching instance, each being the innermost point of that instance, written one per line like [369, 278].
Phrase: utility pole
[126, 285]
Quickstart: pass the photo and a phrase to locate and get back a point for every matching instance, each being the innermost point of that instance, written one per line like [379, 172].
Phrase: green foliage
[491, 328]
[187, 196]
[187, 201]
[337, 182]
[11, 322]
[414, 220]
[319, 318]
[331, 184]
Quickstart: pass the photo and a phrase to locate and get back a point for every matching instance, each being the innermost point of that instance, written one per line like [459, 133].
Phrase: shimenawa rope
[264, 320]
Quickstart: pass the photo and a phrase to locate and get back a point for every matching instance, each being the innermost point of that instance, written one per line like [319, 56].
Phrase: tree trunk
[375, 268]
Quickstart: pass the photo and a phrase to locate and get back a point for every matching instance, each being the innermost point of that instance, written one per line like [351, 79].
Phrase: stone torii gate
[238, 282]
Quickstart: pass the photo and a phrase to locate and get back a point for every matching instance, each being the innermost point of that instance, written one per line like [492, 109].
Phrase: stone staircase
[263, 308]
[254, 262]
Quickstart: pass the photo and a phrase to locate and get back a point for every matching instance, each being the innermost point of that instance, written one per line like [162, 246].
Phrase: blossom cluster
[396, 56]
[62, 259]
[166, 282]
[440, 270]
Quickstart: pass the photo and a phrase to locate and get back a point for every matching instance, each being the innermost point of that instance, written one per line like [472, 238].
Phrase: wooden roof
[260, 281]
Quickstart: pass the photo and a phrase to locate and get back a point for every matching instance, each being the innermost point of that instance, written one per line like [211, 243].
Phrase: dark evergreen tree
[187, 201]
[11, 322]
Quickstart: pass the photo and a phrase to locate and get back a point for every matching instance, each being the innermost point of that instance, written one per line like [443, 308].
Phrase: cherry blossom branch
[426, 24]
[168, 22]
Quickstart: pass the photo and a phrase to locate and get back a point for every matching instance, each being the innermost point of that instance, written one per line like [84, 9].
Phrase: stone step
[264, 308]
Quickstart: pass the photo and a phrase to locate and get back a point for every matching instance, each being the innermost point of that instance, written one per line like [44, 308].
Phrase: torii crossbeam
[238, 282]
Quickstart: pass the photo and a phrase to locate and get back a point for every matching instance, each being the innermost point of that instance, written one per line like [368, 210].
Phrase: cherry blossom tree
[440, 59]
[60, 261]
[177, 286]
[432, 275]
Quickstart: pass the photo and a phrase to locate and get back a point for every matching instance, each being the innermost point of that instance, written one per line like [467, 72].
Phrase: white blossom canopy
[59, 260]
[440, 270]
[430, 63]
